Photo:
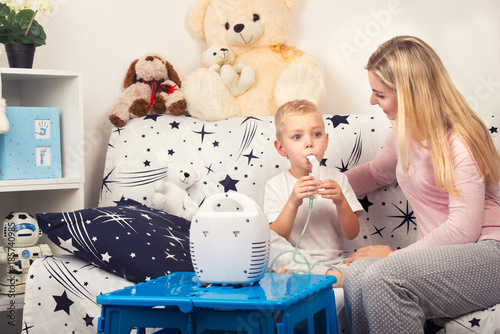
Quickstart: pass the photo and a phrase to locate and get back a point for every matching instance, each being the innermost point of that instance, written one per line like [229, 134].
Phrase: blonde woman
[445, 162]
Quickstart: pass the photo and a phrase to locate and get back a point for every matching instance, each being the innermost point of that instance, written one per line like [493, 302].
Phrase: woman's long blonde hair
[429, 106]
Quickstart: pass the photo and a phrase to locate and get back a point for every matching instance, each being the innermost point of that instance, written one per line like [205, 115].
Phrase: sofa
[106, 244]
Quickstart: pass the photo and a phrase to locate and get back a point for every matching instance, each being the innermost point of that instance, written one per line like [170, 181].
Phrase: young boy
[300, 132]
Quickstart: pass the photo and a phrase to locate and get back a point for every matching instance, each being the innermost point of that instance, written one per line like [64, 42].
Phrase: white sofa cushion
[238, 155]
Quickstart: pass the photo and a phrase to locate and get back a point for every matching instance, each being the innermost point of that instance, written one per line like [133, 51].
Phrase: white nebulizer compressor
[230, 247]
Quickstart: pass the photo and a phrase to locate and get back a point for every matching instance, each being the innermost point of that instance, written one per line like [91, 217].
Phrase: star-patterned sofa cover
[234, 155]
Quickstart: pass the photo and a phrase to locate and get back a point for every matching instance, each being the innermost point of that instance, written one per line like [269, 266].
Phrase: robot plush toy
[19, 235]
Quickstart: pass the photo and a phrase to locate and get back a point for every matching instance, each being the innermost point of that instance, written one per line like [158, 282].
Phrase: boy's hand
[330, 189]
[304, 187]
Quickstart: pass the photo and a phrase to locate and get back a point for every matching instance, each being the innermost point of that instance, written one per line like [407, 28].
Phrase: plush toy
[151, 86]
[256, 30]
[171, 193]
[20, 234]
[217, 56]
[237, 77]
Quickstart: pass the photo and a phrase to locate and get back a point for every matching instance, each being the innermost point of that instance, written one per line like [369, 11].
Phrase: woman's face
[384, 96]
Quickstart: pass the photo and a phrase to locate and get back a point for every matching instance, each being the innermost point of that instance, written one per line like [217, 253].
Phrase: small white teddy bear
[171, 193]
[237, 78]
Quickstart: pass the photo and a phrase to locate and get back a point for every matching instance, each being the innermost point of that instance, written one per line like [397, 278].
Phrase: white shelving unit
[46, 88]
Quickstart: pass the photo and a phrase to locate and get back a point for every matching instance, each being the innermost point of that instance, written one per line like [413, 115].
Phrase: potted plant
[19, 31]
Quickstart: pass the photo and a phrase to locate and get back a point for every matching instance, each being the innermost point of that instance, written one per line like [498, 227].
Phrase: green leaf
[13, 27]
[25, 15]
[4, 10]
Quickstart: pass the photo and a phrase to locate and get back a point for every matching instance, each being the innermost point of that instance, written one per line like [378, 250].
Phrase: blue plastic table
[180, 300]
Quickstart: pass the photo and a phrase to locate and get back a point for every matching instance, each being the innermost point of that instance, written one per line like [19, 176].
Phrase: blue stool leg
[331, 313]
[116, 320]
[306, 310]
[250, 321]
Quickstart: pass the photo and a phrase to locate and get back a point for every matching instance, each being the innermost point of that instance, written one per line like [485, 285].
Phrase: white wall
[101, 38]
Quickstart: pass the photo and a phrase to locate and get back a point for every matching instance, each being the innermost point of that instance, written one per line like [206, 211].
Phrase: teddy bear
[170, 194]
[217, 56]
[151, 86]
[237, 77]
[256, 31]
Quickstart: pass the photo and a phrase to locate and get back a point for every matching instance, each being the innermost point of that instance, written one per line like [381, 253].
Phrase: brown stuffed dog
[151, 86]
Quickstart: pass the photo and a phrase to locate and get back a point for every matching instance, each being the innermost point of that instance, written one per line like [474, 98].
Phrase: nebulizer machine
[297, 256]
[230, 247]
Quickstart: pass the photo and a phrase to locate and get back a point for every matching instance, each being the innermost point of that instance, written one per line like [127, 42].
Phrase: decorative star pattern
[203, 133]
[232, 155]
[365, 203]
[354, 157]
[63, 303]
[250, 156]
[65, 291]
[229, 184]
[407, 216]
[338, 119]
[474, 322]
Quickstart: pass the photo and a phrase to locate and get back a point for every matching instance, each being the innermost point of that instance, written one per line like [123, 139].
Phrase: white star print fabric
[238, 154]
[233, 155]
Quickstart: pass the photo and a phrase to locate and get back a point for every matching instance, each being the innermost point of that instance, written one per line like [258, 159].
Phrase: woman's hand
[369, 251]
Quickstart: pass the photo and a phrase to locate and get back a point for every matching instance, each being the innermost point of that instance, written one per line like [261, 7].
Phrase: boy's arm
[348, 220]
[284, 223]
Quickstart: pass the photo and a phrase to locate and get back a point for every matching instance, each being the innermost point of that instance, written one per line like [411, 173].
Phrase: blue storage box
[31, 149]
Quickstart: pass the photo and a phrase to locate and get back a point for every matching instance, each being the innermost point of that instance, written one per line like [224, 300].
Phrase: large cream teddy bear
[256, 31]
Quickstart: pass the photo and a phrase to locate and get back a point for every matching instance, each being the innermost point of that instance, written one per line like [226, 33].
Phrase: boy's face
[302, 136]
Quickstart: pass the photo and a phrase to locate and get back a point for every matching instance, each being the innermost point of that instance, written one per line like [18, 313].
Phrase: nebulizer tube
[314, 172]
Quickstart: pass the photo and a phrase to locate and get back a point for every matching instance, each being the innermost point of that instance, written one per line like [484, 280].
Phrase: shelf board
[25, 74]
[40, 184]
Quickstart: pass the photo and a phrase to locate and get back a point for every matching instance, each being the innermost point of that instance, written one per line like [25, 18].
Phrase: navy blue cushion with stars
[129, 240]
